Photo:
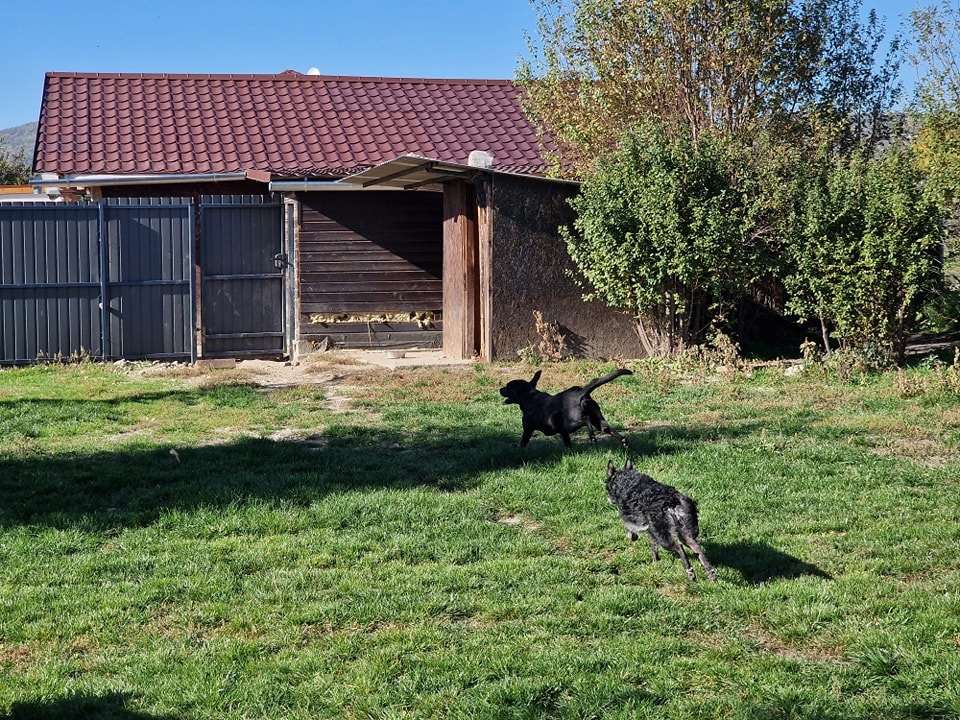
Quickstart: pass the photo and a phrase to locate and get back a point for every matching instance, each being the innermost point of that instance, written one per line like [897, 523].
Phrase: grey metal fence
[243, 266]
[116, 279]
[50, 281]
[148, 263]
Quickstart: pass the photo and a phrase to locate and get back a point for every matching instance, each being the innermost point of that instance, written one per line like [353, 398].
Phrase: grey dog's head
[515, 390]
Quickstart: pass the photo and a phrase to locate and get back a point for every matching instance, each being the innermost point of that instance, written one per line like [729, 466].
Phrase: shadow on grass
[647, 441]
[133, 486]
[757, 562]
[112, 706]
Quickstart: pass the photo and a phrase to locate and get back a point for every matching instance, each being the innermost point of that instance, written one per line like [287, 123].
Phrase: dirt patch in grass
[926, 451]
[518, 521]
[262, 373]
[355, 374]
[765, 642]
[17, 657]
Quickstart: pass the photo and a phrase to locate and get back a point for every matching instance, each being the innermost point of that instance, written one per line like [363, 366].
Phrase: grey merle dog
[667, 516]
[562, 413]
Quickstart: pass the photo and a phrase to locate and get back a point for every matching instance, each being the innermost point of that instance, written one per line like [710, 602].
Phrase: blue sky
[392, 38]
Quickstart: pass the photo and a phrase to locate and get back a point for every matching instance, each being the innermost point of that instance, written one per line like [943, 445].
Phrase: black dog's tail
[594, 384]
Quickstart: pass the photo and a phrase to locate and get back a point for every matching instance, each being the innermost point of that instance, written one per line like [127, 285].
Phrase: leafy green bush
[666, 228]
[864, 252]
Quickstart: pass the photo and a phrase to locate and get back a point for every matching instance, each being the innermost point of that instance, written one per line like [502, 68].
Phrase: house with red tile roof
[412, 211]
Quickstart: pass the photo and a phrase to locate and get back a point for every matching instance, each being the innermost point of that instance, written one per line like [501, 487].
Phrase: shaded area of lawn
[110, 706]
[131, 485]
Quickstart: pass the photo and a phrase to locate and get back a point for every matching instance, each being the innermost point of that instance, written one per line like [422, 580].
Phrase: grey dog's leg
[654, 549]
[677, 548]
[707, 567]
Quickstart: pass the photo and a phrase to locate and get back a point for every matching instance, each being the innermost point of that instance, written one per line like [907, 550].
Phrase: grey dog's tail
[594, 384]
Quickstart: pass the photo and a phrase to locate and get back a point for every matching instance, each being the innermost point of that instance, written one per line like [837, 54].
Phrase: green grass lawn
[403, 558]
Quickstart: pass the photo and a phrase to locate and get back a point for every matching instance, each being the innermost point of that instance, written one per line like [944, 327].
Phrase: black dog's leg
[527, 434]
[623, 440]
[596, 420]
[566, 440]
[591, 411]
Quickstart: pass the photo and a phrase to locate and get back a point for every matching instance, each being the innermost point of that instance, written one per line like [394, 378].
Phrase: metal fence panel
[149, 261]
[116, 279]
[49, 282]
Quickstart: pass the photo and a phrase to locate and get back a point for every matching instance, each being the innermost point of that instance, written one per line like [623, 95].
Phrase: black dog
[562, 413]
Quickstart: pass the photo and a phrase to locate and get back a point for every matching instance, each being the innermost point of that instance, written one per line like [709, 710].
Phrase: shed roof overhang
[53, 184]
[412, 172]
[407, 172]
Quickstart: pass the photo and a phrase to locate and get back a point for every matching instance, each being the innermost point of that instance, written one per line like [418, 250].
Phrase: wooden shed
[501, 259]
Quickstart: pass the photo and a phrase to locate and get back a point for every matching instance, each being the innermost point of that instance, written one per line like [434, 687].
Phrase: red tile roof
[291, 125]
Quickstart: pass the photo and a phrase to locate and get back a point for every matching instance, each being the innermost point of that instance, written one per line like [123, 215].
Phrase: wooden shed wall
[369, 267]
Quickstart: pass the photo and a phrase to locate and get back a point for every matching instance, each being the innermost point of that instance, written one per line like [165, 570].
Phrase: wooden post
[460, 271]
[484, 189]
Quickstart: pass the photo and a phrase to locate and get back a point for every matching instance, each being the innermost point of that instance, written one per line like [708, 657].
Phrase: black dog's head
[515, 390]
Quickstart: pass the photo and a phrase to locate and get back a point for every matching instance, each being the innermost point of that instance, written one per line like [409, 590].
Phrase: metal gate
[242, 266]
[116, 279]
[147, 258]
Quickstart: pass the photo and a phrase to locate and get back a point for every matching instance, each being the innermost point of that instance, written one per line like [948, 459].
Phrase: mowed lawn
[368, 543]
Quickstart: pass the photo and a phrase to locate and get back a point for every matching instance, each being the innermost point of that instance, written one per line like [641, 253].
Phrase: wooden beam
[485, 189]
[460, 271]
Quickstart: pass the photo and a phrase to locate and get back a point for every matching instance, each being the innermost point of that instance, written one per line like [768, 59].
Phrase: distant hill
[21, 137]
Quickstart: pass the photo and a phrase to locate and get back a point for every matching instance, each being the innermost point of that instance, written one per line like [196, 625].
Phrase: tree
[936, 115]
[937, 31]
[786, 67]
[694, 123]
[14, 169]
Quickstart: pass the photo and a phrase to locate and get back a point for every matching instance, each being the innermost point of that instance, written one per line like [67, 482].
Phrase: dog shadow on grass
[758, 563]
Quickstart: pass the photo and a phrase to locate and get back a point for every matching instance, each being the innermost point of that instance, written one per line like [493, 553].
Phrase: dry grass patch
[323, 360]
[18, 657]
[926, 451]
[526, 523]
[768, 643]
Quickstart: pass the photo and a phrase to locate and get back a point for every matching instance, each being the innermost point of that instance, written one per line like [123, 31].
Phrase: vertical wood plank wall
[369, 268]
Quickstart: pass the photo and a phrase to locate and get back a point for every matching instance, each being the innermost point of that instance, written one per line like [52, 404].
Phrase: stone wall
[531, 271]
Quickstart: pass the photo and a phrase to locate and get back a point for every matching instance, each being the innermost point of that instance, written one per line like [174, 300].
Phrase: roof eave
[103, 179]
[408, 172]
